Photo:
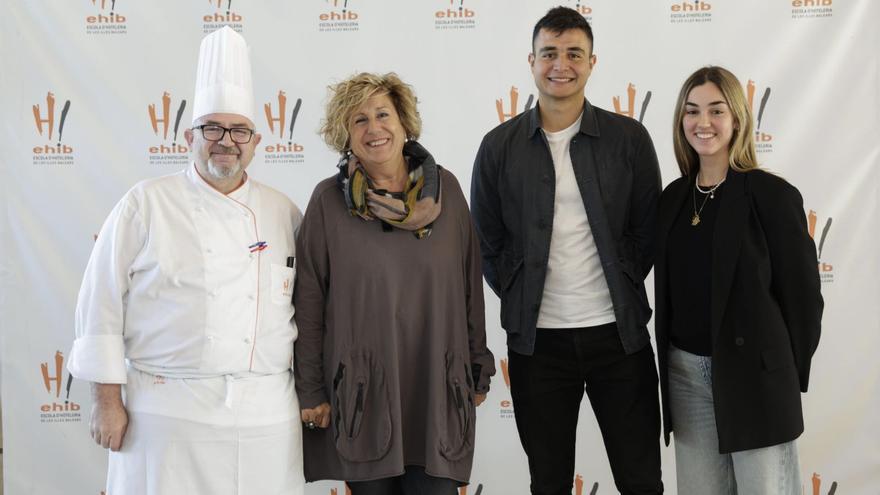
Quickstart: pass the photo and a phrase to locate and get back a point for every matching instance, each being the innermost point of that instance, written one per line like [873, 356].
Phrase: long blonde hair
[741, 152]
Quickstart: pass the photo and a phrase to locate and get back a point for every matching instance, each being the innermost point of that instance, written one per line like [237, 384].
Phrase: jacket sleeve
[486, 212]
[309, 300]
[98, 353]
[643, 203]
[481, 358]
[793, 261]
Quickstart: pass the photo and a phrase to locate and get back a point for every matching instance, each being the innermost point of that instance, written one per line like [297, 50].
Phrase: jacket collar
[733, 214]
[589, 123]
[238, 194]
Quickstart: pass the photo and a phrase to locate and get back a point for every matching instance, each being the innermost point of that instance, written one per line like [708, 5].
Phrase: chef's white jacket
[186, 282]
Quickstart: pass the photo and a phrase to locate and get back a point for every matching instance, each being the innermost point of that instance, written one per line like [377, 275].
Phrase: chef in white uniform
[184, 319]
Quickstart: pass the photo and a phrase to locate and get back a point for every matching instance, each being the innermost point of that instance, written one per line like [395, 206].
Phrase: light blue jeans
[700, 469]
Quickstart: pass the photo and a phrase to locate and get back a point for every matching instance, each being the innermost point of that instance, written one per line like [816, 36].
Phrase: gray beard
[221, 173]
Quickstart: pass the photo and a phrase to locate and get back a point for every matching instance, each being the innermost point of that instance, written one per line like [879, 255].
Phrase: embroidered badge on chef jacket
[258, 246]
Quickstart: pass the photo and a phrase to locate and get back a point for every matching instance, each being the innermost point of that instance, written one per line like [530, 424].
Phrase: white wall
[819, 129]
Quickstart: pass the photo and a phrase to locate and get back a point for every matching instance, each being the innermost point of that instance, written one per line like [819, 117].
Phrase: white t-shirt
[575, 291]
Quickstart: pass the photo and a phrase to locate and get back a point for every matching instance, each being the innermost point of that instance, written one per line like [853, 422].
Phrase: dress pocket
[361, 418]
[282, 284]
[458, 439]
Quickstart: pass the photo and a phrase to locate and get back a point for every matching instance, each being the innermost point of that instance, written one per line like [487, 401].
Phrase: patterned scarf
[415, 209]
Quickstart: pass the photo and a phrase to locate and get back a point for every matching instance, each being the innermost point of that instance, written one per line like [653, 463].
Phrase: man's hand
[109, 419]
[479, 398]
[319, 416]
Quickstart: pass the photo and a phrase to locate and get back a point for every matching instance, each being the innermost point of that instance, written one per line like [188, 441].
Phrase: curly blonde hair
[741, 155]
[347, 96]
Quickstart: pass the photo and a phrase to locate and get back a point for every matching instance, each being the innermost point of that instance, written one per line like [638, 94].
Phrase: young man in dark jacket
[564, 197]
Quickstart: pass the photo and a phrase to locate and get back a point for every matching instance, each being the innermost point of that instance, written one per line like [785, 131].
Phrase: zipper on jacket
[340, 373]
[337, 414]
[358, 408]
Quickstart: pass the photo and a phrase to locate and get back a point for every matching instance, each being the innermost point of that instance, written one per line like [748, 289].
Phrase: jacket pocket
[457, 441]
[282, 284]
[772, 359]
[361, 418]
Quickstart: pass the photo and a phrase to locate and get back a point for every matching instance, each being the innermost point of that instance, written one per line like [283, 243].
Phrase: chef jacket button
[251, 297]
[176, 281]
[213, 293]
[740, 341]
[252, 256]
[247, 340]
[209, 250]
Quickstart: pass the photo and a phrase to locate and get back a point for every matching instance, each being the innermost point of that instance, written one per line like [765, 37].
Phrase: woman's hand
[479, 398]
[316, 417]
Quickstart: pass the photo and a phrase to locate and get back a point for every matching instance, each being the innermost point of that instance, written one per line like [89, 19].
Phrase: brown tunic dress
[392, 335]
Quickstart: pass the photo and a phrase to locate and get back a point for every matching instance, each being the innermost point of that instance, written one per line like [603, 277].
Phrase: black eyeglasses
[213, 132]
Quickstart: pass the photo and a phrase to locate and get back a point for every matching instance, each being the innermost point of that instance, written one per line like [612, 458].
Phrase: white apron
[224, 436]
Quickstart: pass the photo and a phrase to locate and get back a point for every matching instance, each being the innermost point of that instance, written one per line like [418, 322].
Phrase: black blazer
[766, 308]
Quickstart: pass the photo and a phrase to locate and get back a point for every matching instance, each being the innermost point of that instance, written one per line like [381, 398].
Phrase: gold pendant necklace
[710, 193]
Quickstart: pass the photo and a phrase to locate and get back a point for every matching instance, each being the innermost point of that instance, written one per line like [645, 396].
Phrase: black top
[689, 249]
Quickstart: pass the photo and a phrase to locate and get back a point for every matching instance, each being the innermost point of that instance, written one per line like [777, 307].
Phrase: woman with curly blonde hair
[391, 358]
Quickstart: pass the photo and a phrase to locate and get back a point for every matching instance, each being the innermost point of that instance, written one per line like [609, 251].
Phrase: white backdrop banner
[96, 95]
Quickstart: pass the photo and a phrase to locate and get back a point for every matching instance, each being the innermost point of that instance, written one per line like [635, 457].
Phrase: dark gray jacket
[512, 201]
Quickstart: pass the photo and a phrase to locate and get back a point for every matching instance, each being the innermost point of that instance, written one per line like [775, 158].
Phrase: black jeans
[547, 389]
[413, 482]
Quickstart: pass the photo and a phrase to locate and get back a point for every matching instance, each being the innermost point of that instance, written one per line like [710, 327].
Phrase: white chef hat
[223, 79]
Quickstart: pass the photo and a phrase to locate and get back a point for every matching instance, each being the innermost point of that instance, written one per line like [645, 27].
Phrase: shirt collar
[238, 194]
[589, 124]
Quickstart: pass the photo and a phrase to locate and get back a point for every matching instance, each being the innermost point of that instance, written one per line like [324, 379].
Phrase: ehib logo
[579, 485]
[280, 153]
[688, 12]
[583, 9]
[826, 270]
[505, 373]
[803, 9]
[104, 22]
[762, 139]
[513, 112]
[49, 119]
[165, 118]
[56, 412]
[455, 16]
[339, 18]
[163, 121]
[46, 121]
[222, 17]
[629, 111]
[463, 490]
[817, 485]
[505, 410]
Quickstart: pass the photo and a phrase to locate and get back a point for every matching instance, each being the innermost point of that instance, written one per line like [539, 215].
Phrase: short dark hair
[560, 19]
